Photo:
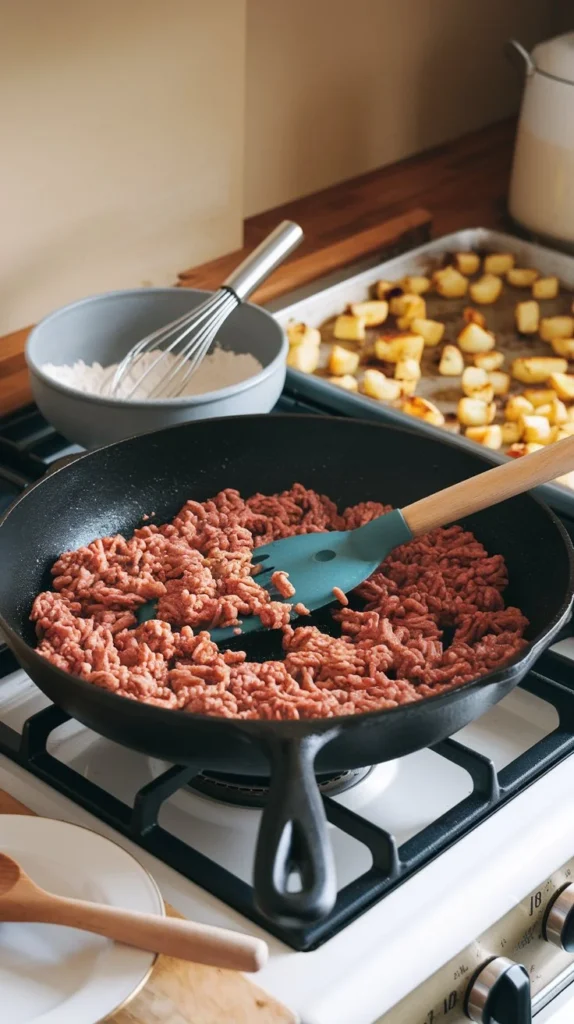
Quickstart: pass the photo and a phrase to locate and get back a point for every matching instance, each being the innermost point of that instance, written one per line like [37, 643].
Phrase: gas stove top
[448, 844]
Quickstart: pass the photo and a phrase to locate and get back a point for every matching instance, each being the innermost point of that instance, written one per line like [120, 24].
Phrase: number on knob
[559, 921]
[500, 994]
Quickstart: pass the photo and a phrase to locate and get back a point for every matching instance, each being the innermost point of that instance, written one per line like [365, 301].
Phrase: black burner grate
[28, 446]
[392, 864]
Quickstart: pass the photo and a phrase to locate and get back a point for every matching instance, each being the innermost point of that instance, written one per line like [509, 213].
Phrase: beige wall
[338, 87]
[124, 122]
[121, 139]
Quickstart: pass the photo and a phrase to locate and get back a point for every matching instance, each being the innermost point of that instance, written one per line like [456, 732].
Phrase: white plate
[55, 975]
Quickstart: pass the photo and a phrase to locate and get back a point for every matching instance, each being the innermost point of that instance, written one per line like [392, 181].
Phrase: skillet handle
[293, 838]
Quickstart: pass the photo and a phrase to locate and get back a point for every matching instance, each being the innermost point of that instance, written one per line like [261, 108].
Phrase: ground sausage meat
[429, 619]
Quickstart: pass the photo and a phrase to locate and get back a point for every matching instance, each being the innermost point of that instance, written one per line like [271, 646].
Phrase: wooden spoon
[321, 564]
[22, 900]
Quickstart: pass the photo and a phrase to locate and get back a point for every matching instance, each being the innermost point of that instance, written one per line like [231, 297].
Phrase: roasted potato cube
[473, 316]
[486, 290]
[500, 381]
[467, 263]
[518, 450]
[342, 361]
[486, 394]
[474, 338]
[566, 429]
[350, 328]
[539, 396]
[450, 283]
[536, 428]
[490, 437]
[527, 316]
[545, 288]
[516, 407]
[408, 387]
[498, 262]
[563, 385]
[347, 382]
[399, 301]
[423, 410]
[405, 322]
[563, 347]
[511, 432]
[408, 369]
[373, 313]
[537, 369]
[404, 346]
[552, 327]
[570, 411]
[451, 362]
[382, 288]
[431, 330]
[555, 412]
[473, 379]
[471, 412]
[488, 360]
[376, 385]
[303, 357]
[416, 285]
[521, 277]
[302, 334]
[407, 306]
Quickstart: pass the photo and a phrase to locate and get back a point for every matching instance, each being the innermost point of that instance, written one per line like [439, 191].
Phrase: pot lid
[556, 57]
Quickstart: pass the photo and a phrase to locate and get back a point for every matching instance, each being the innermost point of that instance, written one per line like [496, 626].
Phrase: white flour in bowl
[220, 369]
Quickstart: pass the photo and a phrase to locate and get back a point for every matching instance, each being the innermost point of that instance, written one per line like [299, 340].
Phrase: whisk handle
[263, 260]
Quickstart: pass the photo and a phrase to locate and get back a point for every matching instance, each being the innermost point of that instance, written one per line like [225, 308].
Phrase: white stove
[408, 959]
[453, 864]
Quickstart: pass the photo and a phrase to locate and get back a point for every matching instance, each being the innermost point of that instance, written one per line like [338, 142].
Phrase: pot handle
[293, 838]
[513, 47]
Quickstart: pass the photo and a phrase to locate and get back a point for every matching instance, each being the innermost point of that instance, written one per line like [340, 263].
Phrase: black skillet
[107, 491]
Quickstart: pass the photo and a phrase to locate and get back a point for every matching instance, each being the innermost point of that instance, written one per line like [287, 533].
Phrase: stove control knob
[499, 994]
[559, 921]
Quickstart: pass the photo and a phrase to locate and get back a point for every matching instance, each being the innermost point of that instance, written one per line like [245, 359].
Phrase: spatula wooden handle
[486, 489]
[171, 936]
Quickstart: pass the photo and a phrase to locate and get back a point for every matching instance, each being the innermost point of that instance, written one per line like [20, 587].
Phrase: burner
[250, 791]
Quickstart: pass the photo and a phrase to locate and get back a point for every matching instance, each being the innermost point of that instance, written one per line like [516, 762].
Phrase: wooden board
[14, 383]
[184, 993]
[408, 230]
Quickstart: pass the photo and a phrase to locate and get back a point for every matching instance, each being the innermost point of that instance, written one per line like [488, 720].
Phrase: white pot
[542, 184]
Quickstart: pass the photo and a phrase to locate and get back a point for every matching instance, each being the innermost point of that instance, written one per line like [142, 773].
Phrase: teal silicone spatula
[318, 562]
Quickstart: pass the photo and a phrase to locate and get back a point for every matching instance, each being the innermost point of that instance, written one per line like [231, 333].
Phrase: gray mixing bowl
[103, 328]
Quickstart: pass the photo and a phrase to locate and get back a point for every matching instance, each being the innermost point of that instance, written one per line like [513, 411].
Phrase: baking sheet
[320, 309]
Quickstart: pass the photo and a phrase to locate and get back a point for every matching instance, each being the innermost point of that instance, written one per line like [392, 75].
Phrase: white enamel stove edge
[368, 968]
[518, 964]
[392, 949]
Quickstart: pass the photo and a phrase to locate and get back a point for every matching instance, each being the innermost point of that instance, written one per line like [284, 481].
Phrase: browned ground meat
[199, 569]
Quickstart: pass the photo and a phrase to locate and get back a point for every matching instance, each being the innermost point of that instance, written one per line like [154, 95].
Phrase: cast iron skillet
[108, 490]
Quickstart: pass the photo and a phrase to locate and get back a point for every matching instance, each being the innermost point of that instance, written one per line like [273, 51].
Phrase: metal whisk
[190, 336]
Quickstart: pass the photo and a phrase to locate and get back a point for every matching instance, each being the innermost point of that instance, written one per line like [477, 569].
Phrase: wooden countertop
[462, 184]
[179, 992]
